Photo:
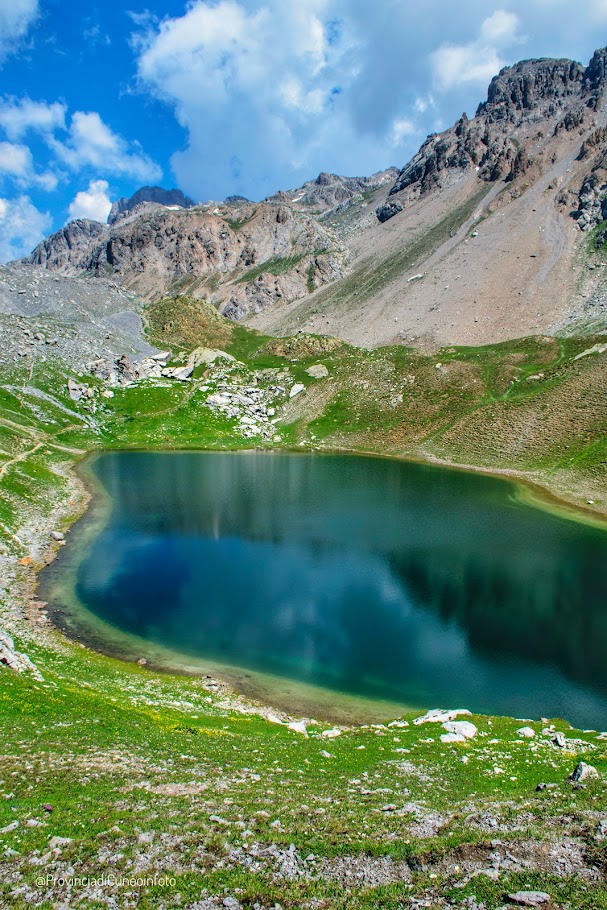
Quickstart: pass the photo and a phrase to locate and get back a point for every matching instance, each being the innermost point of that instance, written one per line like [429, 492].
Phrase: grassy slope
[117, 750]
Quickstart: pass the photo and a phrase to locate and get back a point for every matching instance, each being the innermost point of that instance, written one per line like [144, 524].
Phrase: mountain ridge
[537, 146]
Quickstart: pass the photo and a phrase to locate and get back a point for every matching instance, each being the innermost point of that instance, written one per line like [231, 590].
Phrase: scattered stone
[559, 740]
[297, 389]
[529, 898]
[8, 828]
[14, 659]
[318, 371]
[390, 807]
[460, 728]
[452, 738]
[57, 535]
[439, 716]
[582, 772]
[600, 831]
[146, 837]
[298, 726]
[526, 732]
[56, 843]
[331, 734]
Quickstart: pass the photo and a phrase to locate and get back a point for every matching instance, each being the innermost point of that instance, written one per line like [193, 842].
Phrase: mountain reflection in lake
[418, 584]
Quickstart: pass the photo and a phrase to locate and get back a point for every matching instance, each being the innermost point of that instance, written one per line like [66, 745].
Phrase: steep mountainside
[479, 238]
[242, 257]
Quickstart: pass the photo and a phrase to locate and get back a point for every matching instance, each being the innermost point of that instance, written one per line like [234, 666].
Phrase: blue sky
[241, 96]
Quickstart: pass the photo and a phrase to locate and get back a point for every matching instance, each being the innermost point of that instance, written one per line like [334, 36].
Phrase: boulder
[439, 716]
[582, 772]
[388, 210]
[529, 898]
[460, 728]
[318, 371]
[526, 732]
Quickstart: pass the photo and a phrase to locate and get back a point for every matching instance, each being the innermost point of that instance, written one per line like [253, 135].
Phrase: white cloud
[477, 61]
[91, 143]
[22, 227]
[401, 129]
[15, 160]
[17, 164]
[256, 89]
[93, 203]
[16, 17]
[501, 28]
[17, 116]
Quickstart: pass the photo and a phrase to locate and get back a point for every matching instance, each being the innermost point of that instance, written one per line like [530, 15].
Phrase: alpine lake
[345, 587]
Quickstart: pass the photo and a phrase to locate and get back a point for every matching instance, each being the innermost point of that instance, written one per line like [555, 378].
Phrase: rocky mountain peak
[528, 84]
[148, 194]
[59, 251]
[544, 97]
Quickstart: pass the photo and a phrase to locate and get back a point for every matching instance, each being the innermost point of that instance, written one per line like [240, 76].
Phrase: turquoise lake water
[383, 579]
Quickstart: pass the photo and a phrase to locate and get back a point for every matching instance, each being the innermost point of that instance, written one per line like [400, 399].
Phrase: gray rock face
[69, 248]
[592, 203]
[530, 84]
[388, 210]
[555, 92]
[330, 191]
[155, 194]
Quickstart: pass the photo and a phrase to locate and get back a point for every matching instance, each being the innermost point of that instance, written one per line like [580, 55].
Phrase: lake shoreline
[237, 679]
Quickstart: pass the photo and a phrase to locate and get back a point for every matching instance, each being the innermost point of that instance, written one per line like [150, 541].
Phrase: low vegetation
[110, 769]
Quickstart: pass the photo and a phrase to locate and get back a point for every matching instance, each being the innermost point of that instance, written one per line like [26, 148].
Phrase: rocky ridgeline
[332, 192]
[533, 100]
[146, 197]
[242, 258]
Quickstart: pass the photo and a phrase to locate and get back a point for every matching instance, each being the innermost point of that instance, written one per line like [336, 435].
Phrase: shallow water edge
[293, 696]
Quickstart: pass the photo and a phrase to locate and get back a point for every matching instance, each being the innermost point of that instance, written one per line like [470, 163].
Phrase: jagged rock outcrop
[15, 660]
[148, 194]
[68, 250]
[543, 96]
[330, 191]
[241, 257]
[388, 210]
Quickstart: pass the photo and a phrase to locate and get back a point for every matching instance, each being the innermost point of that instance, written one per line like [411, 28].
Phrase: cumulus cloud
[15, 160]
[93, 203]
[270, 92]
[17, 164]
[257, 89]
[18, 116]
[91, 143]
[478, 60]
[16, 17]
[22, 227]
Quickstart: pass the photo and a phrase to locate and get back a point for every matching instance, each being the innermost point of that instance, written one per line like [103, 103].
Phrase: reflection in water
[413, 583]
